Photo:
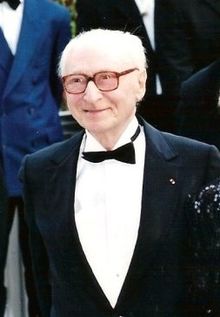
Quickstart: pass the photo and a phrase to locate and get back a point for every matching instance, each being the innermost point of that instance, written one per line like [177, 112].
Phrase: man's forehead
[92, 60]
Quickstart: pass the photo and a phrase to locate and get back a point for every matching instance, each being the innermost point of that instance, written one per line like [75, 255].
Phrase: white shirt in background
[146, 8]
[10, 23]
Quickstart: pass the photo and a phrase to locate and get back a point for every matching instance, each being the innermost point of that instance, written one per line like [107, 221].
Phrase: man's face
[104, 113]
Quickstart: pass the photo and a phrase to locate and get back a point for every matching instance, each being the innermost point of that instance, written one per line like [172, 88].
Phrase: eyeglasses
[104, 81]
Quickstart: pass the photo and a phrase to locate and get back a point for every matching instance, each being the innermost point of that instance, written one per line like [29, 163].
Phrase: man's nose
[92, 93]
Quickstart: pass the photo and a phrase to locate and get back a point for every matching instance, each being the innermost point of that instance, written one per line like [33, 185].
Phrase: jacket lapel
[62, 171]
[159, 200]
[29, 34]
[60, 205]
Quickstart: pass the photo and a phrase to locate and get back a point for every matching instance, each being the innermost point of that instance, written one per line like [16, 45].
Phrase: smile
[96, 111]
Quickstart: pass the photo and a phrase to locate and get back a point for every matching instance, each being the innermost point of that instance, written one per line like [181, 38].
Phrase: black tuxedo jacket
[198, 113]
[156, 283]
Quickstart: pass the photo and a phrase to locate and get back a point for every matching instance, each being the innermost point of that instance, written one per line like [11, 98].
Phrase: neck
[109, 138]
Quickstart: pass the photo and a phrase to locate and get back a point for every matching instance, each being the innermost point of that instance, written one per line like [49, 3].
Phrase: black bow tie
[124, 153]
[12, 3]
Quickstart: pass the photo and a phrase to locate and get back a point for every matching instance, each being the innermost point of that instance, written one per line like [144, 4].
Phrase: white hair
[118, 43]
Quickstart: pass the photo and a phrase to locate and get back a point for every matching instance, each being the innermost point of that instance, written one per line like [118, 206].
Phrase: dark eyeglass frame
[93, 78]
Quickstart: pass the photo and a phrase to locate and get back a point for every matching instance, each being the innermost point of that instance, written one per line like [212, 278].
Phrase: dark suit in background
[124, 15]
[30, 96]
[203, 210]
[194, 31]
[198, 114]
[155, 285]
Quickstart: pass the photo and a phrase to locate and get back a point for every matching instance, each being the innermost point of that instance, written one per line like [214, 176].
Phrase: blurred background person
[33, 34]
[148, 20]
[198, 113]
[195, 32]
[180, 37]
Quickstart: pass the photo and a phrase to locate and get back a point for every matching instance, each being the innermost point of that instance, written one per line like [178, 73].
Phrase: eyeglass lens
[104, 81]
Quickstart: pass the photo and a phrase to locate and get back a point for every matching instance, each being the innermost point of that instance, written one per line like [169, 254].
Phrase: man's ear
[142, 77]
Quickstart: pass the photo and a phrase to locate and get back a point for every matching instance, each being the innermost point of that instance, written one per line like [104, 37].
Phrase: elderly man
[105, 208]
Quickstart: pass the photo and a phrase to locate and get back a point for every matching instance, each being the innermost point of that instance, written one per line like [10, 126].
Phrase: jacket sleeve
[38, 250]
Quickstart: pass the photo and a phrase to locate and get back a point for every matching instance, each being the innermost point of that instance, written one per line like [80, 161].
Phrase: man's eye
[106, 76]
[76, 80]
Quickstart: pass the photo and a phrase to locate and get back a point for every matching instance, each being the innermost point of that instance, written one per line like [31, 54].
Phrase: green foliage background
[70, 4]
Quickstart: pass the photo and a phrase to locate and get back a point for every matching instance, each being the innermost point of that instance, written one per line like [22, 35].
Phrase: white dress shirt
[107, 211]
[146, 8]
[10, 23]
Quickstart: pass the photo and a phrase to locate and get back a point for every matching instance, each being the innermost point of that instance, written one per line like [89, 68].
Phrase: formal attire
[66, 224]
[32, 38]
[194, 30]
[32, 92]
[198, 113]
[204, 214]
[148, 20]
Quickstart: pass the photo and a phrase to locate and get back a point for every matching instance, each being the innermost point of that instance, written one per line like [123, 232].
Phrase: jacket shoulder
[55, 152]
[186, 144]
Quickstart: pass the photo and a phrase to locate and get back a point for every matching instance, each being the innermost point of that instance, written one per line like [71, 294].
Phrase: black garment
[15, 204]
[204, 216]
[198, 113]
[155, 285]
[124, 153]
[194, 31]
[159, 110]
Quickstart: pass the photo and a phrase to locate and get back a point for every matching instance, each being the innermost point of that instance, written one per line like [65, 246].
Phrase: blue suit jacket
[32, 95]
[156, 282]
